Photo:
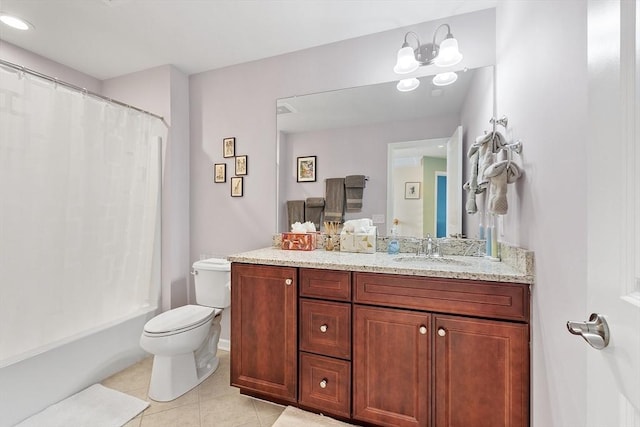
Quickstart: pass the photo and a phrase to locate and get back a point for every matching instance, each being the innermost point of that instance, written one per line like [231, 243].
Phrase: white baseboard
[224, 344]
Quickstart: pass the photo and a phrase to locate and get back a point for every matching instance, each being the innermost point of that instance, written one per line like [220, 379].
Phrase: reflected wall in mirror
[355, 132]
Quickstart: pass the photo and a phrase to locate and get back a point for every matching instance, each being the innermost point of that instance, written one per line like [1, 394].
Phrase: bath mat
[95, 406]
[294, 417]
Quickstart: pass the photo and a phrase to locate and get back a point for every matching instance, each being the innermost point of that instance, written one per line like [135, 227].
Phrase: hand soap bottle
[393, 246]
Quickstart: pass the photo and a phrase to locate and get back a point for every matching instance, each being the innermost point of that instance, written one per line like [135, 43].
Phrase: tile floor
[212, 403]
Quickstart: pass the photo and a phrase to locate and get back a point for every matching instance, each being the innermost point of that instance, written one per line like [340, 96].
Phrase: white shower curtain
[79, 212]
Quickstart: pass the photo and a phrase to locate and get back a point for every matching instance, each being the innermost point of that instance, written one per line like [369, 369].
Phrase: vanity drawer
[325, 328]
[326, 284]
[507, 301]
[325, 384]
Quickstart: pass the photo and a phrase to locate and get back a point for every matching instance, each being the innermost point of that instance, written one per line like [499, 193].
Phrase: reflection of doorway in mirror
[440, 201]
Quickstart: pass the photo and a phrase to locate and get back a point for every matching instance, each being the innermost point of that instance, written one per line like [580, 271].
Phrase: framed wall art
[241, 165]
[229, 147]
[411, 190]
[237, 184]
[220, 172]
[306, 169]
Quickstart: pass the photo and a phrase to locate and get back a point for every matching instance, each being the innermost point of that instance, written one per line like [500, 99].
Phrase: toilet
[184, 340]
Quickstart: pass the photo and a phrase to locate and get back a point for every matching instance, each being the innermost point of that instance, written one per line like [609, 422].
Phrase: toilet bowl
[184, 340]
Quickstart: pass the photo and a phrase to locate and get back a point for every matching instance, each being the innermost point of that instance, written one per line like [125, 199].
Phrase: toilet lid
[185, 317]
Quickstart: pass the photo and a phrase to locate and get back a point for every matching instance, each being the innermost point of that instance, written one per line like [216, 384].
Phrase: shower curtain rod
[77, 88]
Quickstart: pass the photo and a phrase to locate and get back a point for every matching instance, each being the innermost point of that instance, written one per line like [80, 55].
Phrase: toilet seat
[179, 320]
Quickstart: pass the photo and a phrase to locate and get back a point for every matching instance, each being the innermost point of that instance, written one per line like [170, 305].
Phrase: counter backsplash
[518, 258]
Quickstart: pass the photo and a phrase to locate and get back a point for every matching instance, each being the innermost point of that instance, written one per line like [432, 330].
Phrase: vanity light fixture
[407, 85]
[445, 54]
[15, 22]
[444, 79]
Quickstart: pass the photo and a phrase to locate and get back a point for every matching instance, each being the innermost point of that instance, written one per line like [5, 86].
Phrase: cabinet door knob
[423, 330]
[323, 328]
[288, 282]
[442, 332]
[323, 383]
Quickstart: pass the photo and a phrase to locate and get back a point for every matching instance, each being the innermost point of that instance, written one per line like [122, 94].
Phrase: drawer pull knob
[288, 282]
[442, 332]
[323, 328]
[423, 330]
[323, 383]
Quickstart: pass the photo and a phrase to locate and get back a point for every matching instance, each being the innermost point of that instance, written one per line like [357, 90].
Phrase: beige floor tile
[268, 421]
[134, 377]
[214, 403]
[189, 398]
[183, 416]
[134, 422]
[227, 411]
[267, 411]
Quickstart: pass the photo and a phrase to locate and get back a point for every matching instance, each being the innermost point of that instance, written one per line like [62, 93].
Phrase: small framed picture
[220, 172]
[411, 190]
[307, 169]
[229, 147]
[241, 165]
[236, 186]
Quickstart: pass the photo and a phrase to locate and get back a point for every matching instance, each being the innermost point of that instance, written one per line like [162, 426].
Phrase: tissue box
[358, 242]
[299, 241]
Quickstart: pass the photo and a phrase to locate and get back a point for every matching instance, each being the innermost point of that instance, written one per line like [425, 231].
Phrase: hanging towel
[499, 175]
[486, 145]
[334, 200]
[295, 211]
[354, 188]
[471, 186]
[313, 210]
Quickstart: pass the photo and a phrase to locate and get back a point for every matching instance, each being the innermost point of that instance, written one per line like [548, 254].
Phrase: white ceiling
[109, 38]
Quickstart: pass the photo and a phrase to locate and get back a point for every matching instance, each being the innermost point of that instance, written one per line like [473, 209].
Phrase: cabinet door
[391, 364]
[264, 330]
[481, 373]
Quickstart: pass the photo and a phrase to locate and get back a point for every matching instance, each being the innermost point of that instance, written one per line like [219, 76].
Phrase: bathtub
[48, 375]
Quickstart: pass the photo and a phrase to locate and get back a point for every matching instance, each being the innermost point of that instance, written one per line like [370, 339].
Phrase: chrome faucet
[429, 247]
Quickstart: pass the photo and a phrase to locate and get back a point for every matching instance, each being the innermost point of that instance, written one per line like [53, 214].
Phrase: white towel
[486, 145]
[500, 174]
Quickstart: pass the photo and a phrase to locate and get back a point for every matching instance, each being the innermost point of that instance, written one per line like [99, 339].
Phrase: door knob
[595, 331]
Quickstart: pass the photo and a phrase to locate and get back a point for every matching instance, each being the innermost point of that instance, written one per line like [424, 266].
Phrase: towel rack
[515, 146]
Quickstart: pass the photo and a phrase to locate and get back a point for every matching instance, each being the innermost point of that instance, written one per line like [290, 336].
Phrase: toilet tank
[212, 282]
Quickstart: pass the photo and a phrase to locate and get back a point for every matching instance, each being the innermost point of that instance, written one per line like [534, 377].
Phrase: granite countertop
[455, 267]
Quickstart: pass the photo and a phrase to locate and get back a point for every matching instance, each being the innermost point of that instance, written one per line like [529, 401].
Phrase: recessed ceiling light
[15, 22]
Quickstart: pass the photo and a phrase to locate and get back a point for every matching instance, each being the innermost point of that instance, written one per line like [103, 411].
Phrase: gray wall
[543, 91]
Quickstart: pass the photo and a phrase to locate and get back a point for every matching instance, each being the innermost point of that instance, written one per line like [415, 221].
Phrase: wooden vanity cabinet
[476, 369]
[264, 321]
[382, 349]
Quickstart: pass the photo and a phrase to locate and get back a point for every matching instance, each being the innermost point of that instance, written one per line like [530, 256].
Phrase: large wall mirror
[409, 145]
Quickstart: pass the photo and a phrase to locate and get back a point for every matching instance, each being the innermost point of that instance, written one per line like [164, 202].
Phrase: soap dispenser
[393, 246]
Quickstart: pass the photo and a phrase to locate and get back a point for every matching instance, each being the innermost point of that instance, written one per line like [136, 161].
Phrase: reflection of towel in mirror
[334, 199]
[313, 210]
[471, 186]
[354, 187]
[295, 211]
